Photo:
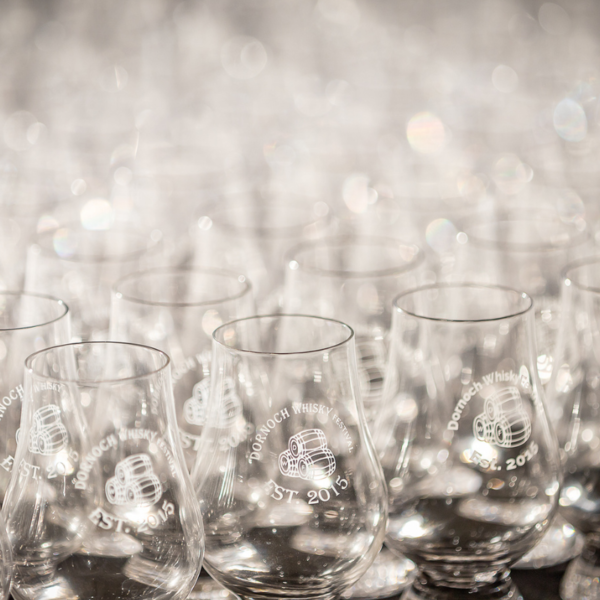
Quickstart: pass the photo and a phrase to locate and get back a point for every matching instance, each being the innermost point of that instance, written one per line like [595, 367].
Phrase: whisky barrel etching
[50, 440]
[133, 467]
[115, 492]
[144, 491]
[194, 408]
[48, 435]
[317, 464]
[504, 402]
[288, 464]
[307, 441]
[231, 408]
[483, 429]
[512, 430]
[46, 416]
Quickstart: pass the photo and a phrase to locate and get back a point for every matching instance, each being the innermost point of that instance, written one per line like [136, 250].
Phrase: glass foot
[207, 588]
[387, 576]
[560, 544]
[424, 588]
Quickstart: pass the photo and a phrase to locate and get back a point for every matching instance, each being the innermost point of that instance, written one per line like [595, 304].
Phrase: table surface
[537, 584]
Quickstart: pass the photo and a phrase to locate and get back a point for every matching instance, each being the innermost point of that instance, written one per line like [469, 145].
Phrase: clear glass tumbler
[105, 510]
[177, 310]
[298, 509]
[468, 455]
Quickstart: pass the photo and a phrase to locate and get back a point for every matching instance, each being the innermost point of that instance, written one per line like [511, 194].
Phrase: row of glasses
[271, 369]
[367, 296]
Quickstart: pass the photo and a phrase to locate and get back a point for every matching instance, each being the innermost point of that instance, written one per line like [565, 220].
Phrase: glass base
[424, 588]
[560, 544]
[386, 577]
[207, 588]
[581, 580]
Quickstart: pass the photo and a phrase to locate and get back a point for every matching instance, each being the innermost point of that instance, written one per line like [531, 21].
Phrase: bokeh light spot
[357, 193]
[243, 57]
[426, 133]
[64, 243]
[570, 121]
[441, 235]
[511, 174]
[210, 321]
[97, 214]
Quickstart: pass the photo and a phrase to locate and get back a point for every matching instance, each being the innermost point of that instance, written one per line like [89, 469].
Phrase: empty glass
[80, 265]
[28, 322]
[250, 235]
[525, 249]
[574, 404]
[355, 279]
[469, 458]
[298, 508]
[177, 310]
[105, 511]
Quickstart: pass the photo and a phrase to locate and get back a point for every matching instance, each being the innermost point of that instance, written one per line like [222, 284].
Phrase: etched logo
[48, 435]
[134, 483]
[504, 421]
[194, 408]
[307, 456]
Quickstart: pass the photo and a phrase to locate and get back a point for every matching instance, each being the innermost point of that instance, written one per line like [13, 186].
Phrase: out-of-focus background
[140, 111]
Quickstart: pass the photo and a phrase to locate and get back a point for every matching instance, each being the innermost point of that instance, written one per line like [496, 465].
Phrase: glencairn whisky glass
[297, 509]
[573, 402]
[468, 455]
[176, 310]
[106, 510]
[28, 322]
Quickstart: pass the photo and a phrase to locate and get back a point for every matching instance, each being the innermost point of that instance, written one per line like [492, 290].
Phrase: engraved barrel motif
[194, 408]
[48, 435]
[503, 402]
[50, 440]
[504, 420]
[512, 430]
[133, 467]
[288, 464]
[484, 429]
[144, 491]
[115, 491]
[46, 416]
[317, 464]
[307, 441]
[231, 408]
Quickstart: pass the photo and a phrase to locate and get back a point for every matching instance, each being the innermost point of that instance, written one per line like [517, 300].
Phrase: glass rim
[582, 262]
[32, 357]
[278, 316]
[95, 259]
[53, 299]
[231, 275]
[532, 215]
[442, 286]
[271, 232]
[418, 259]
